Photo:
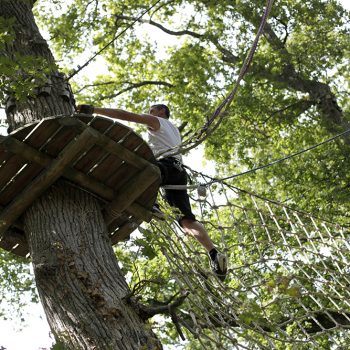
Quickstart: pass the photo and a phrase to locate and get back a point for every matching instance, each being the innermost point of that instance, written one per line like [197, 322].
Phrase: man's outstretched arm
[147, 119]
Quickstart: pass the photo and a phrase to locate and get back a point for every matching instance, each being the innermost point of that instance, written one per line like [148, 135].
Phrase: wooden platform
[96, 154]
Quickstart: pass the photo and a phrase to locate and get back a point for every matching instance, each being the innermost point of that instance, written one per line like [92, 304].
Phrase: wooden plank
[116, 133]
[132, 190]
[27, 152]
[37, 136]
[17, 225]
[108, 144]
[20, 181]
[9, 169]
[4, 155]
[83, 180]
[119, 222]
[90, 158]
[98, 123]
[43, 181]
[96, 153]
[59, 141]
[121, 176]
[40, 134]
[145, 152]
[112, 171]
[107, 168]
[23, 131]
[43, 160]
[123, 172]
[132, 142]
[119, 132]
[111, 165]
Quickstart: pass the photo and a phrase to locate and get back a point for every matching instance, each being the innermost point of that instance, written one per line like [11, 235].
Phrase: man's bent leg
[197, 230]
[218, 260]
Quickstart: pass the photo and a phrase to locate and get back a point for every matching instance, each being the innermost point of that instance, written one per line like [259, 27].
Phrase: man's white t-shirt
[166, 140]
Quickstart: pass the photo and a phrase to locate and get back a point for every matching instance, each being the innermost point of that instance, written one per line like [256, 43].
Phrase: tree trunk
[77, 275]
[78, 278]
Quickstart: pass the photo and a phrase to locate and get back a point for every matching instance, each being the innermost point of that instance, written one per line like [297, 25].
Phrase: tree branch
[297, 107]
[157, 307]
[160, 6]
[285, 26]
[227, 54]
[135, 86]
[155, 24]
[182, 126]
[319, 92]
[140, 285]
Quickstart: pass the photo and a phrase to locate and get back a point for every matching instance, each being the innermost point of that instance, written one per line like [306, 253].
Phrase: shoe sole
[222, 261]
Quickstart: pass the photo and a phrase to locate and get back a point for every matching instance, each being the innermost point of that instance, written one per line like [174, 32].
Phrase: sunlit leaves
[19, 73]
[17, 285]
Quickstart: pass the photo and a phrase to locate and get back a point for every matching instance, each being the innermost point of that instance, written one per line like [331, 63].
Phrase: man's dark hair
[165, 107]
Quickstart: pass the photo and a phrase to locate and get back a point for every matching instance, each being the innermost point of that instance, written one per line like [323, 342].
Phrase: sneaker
[157, 213]
[219, 266]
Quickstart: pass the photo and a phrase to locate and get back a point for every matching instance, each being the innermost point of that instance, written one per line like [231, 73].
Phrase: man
[165, 140]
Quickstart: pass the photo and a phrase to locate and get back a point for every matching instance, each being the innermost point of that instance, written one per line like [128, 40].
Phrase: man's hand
[85, 109]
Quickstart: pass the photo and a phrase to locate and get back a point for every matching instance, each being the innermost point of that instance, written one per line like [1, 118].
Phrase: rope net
[288, 280]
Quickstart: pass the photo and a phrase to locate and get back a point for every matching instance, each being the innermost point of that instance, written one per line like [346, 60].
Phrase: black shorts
[173, 173]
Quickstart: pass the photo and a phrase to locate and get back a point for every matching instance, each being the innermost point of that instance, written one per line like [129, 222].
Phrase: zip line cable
[285, 158]
[80, 68]
[276, 161]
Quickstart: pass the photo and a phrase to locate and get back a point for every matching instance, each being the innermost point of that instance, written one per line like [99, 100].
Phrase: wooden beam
[124, 232]
[38, 186]
[131, 191]
[106, 143]
[15, 242]
[138, 211]
[17, 224]
[87, 182]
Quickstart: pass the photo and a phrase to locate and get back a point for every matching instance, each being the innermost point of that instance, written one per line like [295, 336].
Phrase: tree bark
[77, 275]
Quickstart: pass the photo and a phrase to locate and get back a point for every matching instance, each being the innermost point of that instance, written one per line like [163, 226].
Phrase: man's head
[160, 110]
